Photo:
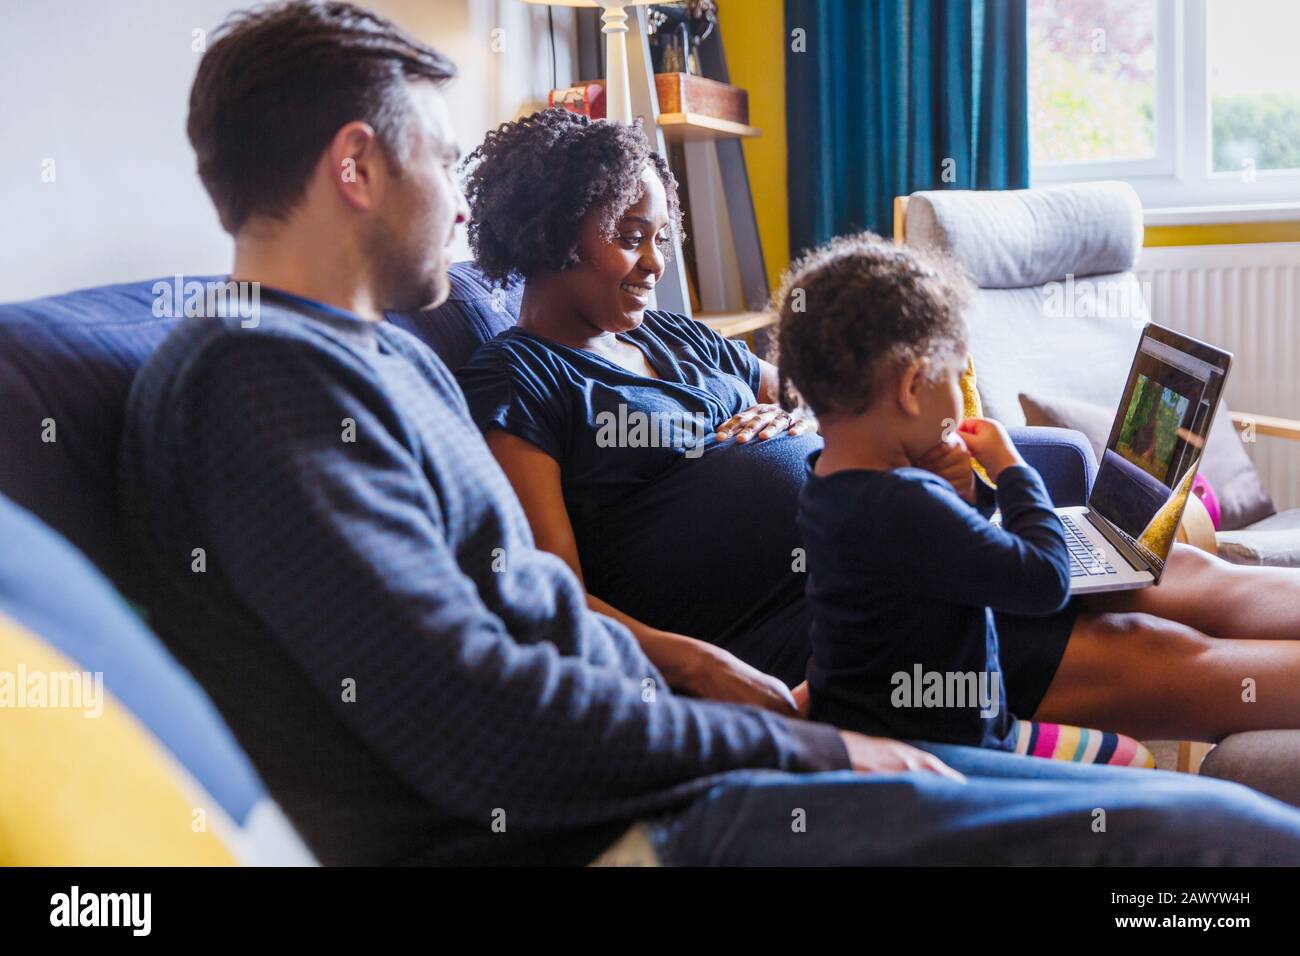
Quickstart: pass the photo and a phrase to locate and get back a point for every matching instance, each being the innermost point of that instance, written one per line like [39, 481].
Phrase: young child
[907, 579]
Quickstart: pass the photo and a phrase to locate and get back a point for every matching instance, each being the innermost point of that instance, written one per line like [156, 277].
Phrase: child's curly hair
[532, 181]
[857, 310]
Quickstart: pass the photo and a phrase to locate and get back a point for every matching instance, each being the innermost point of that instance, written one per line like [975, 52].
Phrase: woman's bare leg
[1158, 679]
[1217, 598]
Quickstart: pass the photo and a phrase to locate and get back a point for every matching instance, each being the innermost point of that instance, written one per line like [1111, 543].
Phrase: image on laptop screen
[1150, 429]
[1156, 440]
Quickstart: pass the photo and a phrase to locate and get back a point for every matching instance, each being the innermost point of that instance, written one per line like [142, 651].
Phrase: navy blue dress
[674, 528]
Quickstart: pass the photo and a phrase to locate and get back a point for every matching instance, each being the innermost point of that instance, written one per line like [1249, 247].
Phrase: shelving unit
[696, 128]
[732, 287]
[731, 324]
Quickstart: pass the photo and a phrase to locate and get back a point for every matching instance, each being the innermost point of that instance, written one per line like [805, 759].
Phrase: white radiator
[1244, 298]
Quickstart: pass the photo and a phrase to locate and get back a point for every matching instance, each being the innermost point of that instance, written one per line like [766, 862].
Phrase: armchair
[1058, 315]
[1274, 539]
[1054, 325]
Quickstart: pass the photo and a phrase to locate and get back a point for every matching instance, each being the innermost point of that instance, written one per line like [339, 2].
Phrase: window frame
[1180, 174]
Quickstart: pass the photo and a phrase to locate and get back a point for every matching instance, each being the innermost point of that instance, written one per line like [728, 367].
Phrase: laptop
[1122, 538]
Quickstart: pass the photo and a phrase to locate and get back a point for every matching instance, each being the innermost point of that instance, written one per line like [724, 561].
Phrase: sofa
[67, 361]
[1055, 324]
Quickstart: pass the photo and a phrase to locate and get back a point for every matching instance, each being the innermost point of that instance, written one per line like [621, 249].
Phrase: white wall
[101, 88]
[1243, 298]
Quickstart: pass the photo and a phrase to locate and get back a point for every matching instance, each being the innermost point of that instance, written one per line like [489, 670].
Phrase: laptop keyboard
[1084, 561]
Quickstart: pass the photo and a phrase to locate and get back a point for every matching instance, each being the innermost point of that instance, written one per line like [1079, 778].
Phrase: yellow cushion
[972, 407]
[1161, 530]
[79, 789]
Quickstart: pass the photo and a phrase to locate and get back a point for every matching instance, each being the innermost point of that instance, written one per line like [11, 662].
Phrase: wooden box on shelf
[691, 108]
[686, 93]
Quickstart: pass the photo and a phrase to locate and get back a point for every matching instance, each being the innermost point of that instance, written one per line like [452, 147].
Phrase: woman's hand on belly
[764, 422]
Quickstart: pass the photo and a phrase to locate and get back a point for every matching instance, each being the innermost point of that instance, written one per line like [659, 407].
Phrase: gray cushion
[1268, 760]
[1059, 311]
[1018, 238]
[1227, 467]
[1023, 342]
[1093, 420]
[1274, 542]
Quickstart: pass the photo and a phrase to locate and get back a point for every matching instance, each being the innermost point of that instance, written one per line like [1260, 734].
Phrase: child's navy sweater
[904, 577]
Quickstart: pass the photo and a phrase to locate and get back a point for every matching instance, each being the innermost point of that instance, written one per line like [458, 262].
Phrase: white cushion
[1274, 542]
[1013, 239]
[1022, 342]
[1059, 311]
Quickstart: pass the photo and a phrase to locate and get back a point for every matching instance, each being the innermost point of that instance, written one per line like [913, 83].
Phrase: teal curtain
[885, 97]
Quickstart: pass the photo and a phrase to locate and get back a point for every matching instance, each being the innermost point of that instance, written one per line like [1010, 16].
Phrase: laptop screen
[1156, 440]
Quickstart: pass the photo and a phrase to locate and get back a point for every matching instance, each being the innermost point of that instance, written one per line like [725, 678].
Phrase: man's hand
[989, 443]
[716, 674]
[951, 461]
[764, 422]
[881, 755]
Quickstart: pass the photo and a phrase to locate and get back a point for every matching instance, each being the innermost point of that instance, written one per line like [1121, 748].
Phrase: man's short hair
[857, 310]
[280, 81]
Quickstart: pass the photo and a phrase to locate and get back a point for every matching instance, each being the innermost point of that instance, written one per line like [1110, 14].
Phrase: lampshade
[618, 104]
[592, 3]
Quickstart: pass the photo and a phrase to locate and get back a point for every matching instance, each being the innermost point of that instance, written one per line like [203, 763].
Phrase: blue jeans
[1012, 810]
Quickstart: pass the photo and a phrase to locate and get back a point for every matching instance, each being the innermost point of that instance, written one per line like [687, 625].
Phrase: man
[329, 546]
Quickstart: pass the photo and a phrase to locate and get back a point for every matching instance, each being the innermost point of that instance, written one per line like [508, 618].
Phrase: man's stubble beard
[406, 282]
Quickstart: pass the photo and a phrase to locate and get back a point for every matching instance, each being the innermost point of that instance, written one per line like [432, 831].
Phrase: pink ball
[1202, 489]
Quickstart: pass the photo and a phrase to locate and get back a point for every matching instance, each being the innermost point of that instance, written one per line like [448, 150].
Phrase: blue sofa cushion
[53, 592]
[1063, 457]
[66, 364]
[476, 310]
[68, 360]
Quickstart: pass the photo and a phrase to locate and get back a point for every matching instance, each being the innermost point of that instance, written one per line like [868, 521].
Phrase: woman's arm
[688, 664]
[769, 387]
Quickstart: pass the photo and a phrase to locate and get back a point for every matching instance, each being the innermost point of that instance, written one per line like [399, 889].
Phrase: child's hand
[951, 461]
[989, 443]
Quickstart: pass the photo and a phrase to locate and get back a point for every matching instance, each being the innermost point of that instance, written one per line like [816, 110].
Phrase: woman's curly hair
[532, 181]
[857, 310]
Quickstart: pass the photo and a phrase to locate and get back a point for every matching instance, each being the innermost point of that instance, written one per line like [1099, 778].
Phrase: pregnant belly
[699, 548]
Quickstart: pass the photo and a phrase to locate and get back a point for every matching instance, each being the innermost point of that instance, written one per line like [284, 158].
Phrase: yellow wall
[1226, 233]
[753, 38]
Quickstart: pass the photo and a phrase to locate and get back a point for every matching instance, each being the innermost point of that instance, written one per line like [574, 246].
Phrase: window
[1195, 102]
[1254, 85]
[1093, 95]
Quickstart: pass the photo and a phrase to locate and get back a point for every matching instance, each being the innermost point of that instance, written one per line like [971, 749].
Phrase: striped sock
[1080, 745]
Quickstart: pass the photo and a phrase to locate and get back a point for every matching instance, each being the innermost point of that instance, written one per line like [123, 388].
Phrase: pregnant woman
[642, 444]
[649, 454]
